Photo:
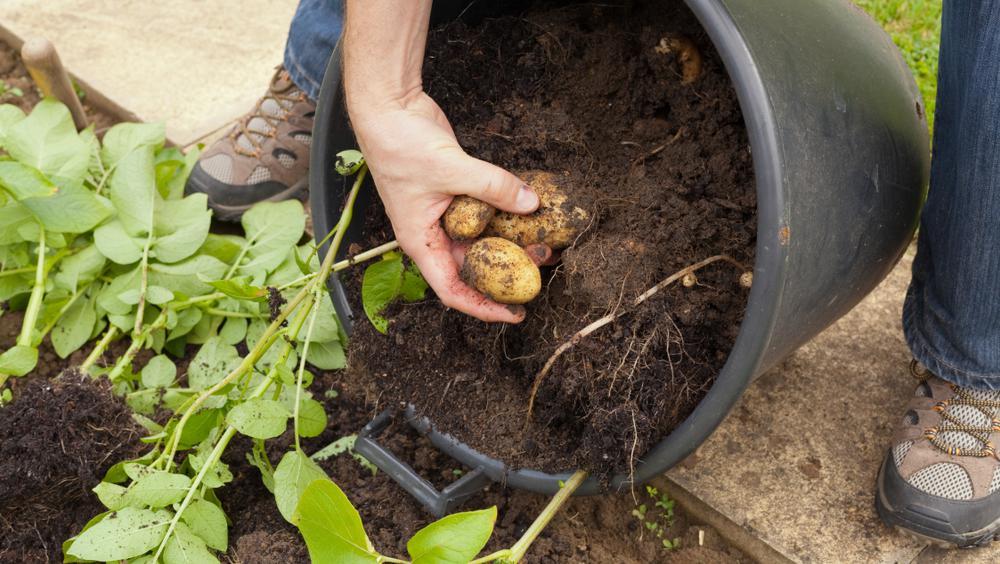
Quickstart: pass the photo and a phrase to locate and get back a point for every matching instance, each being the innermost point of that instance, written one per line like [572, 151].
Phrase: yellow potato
[557, 222]
[467, 217]
[687, 55]
[501, 270]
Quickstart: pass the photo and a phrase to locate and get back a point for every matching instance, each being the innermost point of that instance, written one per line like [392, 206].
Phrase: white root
[607, 319]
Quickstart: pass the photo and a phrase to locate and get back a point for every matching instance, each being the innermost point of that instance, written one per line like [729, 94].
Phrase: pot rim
[746, 356]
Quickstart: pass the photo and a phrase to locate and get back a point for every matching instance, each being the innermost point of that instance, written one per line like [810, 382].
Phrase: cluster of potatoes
[497, 264]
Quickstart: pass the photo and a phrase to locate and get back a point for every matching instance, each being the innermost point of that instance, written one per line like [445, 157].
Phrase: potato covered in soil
[687, 55]
[501, 270]
[467, 217]
[556, 223]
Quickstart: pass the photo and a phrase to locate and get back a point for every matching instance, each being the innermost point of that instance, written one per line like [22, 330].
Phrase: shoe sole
[897, 519]
[233, 214]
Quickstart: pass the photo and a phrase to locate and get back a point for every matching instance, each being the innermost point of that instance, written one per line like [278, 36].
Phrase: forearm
[383, 49]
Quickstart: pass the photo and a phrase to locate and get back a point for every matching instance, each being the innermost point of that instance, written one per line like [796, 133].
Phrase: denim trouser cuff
[924, 353]
[300, 76]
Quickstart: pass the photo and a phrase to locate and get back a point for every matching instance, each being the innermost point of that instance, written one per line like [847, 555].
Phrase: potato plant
[334, 532]
[98, 245]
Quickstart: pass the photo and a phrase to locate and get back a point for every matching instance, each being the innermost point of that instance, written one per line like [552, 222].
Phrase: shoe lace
[953, 424]
[255, 137]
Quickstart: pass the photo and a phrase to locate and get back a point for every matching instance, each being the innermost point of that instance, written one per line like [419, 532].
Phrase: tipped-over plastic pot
[841, 158]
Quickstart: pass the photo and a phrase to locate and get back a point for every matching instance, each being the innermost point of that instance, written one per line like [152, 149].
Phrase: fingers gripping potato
[467, 217]
[501, 270]
[556, 223]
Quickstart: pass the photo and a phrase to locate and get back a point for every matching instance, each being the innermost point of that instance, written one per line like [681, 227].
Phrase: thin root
[607, 319]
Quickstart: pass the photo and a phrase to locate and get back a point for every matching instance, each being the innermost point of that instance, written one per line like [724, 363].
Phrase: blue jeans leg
[314, 32]
[951, 316]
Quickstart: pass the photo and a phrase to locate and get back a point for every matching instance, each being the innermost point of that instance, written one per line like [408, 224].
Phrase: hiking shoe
[940, 480]
[264, 157]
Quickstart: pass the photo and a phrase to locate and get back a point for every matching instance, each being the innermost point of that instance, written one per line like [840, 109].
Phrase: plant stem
[135, 345]
[297, 282]
[500, 555]
[302, 366]
[99, 349]
[223, 313]
[239, 258]
[346, 263]
[520, 547]
[213, 458]
[37, 293]
[305, 296]
[177, 306]
[227, 436]
[374, 252]
[268, 337]
[143, 284]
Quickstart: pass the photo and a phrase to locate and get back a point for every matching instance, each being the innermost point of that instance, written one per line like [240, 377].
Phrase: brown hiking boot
[941, 478]
[264, 157]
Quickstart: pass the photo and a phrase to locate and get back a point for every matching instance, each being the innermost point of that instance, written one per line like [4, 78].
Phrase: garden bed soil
[664, 169]
[18, 89]
[59, 437]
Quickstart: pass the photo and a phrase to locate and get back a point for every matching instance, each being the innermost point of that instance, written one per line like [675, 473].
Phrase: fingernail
[527, 200]
[519, 312]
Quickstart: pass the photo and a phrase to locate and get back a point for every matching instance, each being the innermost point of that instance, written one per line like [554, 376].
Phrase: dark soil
[596, 530]
[57, 439]
[665, 170]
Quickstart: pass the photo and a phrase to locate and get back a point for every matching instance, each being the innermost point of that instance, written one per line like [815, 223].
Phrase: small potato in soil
[556, 223]
[467, 217]
[687, 55]
[502, 270]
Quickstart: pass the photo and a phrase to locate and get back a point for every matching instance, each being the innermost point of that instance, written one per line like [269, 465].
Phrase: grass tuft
[915, 27]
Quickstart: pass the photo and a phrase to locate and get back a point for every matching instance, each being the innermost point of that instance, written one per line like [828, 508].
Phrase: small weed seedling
[658, 519]
[7, 89]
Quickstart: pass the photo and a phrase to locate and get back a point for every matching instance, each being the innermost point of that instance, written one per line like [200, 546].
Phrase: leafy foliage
[387, 281]
[98, 242]
[334, 532]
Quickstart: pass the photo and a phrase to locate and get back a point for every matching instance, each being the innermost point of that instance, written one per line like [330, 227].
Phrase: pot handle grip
[438, 503]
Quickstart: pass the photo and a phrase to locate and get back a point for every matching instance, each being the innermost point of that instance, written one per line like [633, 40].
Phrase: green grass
[915, 27]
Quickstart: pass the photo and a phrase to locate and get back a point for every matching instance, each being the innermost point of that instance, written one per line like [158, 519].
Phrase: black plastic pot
[841, 158]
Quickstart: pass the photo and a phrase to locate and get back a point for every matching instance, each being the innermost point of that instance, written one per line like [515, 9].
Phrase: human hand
[418, 167]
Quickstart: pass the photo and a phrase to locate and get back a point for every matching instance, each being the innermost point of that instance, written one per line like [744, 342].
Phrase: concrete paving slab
[192, 64]
[795, 462]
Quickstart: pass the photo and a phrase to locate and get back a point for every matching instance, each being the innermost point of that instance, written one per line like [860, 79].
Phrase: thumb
[499, 188]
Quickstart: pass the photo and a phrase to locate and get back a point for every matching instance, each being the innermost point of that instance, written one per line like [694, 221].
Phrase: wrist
[369, 110]
[367, 100]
